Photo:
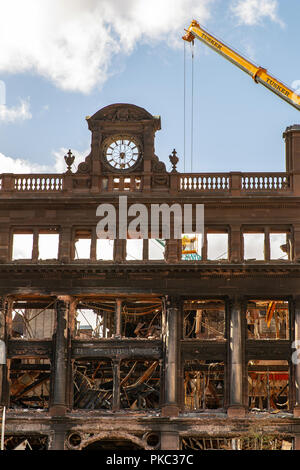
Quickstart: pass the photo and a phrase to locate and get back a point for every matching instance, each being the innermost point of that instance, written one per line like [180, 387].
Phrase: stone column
[118, 318]
[235, 244]
[5, 333]
[116, 384]
[5, 247]
[71, 322]
[296, 357]
[236, 407]
[292, 139]
[58, 439]
[59, 370]
[2, 351]
[171, 356]
[65, 244]
[169, 440]
[119, 250]
[297, 442]
[35, 246]
[173, 250]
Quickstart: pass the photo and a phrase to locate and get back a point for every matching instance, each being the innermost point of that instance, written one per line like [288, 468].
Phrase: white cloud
[18, 165]
[73, 43]
[16, 113]
[252, 12]
[296, 86]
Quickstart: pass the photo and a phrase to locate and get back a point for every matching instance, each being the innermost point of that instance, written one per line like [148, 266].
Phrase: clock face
[122, 152]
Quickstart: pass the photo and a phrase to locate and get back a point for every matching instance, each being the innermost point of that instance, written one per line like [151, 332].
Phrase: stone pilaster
[236, 407]
[171, 356]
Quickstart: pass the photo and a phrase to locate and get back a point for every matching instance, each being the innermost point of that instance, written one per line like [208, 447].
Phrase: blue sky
[63, 60]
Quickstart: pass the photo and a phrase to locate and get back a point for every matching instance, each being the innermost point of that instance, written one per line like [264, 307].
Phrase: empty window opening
[25, 442]
[105, 249]
[254, 246]
[127, 182]
[116, 184]
[156, 250]
[96, 322]
[29, 383]
[93, 384]
[204, 319]
[263, 442]
[48, 245]
[217, 246]
[33, 322]
[279, 246]
[75, 439]
[140, 384]
[142, 319]
[82, 246]
[22, 246]
[191, 247]
[203, 385]
[138, 319]
[134, 249]
[268, 319]
[268, 385]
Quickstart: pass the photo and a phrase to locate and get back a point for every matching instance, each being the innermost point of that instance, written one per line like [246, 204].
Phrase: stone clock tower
[122, 142]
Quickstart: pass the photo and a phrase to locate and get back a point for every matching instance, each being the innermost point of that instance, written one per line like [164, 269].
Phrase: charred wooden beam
[31, 305]
[268, 368]
[19, 348]
[42, 378]
[204, 350]
[209, 305]
[204, 367]
[268, 349]
[42, 367]
[129, 349]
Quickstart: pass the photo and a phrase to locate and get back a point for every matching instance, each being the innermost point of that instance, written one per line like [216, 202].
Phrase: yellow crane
[259, 74]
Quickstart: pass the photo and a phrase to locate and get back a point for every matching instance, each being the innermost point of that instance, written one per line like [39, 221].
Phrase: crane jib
[278, 87]
[211, 41]
[269, 81]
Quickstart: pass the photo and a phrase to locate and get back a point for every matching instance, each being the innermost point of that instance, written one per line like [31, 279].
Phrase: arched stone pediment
[122, 112]
[114, 436]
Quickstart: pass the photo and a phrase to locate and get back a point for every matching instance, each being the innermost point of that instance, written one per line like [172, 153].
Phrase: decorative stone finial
[69, 159]
[174, 160]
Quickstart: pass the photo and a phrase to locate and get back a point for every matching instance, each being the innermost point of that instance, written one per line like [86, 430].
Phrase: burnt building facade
[151, 343]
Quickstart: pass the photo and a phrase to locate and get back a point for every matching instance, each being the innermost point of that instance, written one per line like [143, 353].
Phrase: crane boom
[259, 74]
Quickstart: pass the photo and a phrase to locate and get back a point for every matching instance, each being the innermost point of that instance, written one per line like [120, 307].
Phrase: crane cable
[192, 108]
[184, 104]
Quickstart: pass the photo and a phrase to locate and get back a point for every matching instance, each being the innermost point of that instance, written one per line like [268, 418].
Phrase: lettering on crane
[278, 87]
[212, 41]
